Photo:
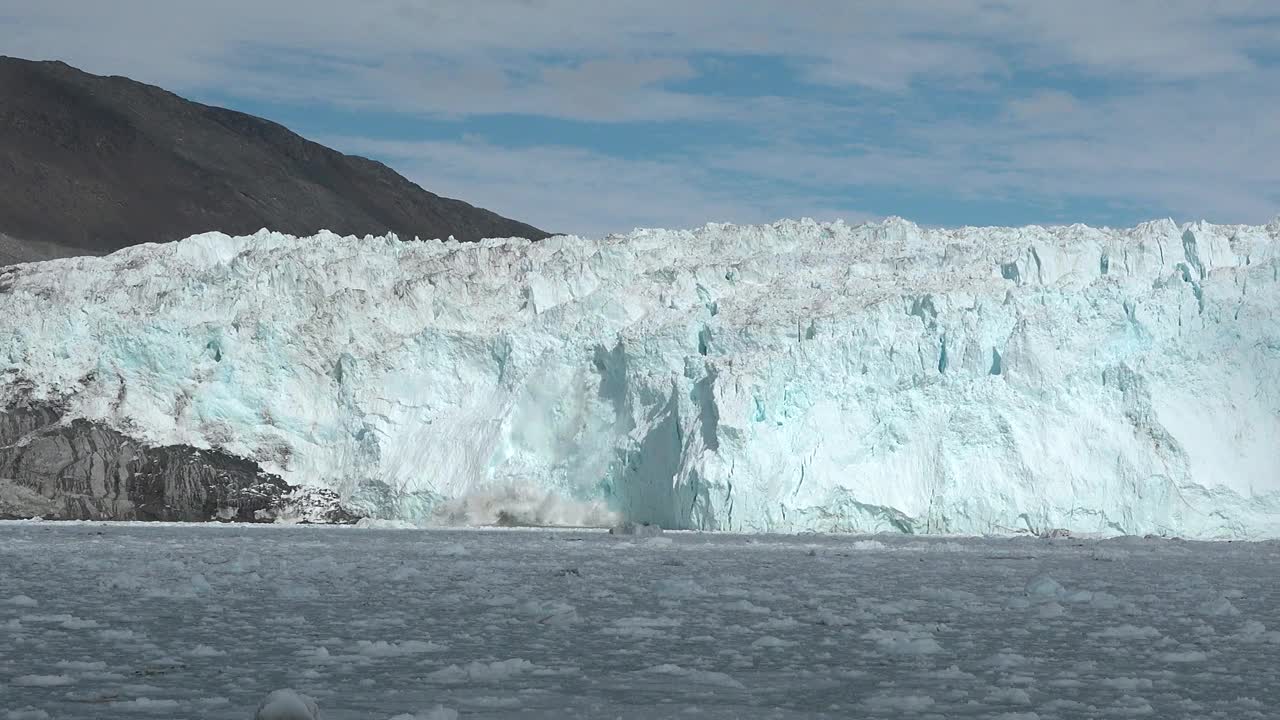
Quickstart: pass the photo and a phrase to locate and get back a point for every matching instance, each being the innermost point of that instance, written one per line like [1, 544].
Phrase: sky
[597, 117]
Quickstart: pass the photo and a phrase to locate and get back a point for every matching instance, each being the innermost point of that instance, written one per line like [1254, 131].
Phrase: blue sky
[595, 117]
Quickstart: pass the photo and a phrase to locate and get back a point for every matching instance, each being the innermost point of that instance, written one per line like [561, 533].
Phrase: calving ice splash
[795, 376]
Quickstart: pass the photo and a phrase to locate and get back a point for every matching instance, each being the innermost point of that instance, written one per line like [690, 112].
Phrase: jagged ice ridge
[795, 376]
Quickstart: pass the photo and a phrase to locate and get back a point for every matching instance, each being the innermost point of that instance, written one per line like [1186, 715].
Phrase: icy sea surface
[126, 621]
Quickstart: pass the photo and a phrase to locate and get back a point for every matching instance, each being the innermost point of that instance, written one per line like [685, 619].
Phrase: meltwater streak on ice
[784, 377]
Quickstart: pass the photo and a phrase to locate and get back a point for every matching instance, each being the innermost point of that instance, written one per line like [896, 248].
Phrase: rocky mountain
[91, 164]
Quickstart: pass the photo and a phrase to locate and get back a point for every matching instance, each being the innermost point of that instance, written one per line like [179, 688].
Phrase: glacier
[798, 376]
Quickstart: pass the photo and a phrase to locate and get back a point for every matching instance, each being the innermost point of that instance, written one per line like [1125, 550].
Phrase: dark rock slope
[84, 471]
[91, 164]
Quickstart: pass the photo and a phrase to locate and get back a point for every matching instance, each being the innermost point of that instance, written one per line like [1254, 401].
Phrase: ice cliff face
[786, 377]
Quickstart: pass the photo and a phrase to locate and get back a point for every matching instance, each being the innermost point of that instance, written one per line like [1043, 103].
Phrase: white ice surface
[786, 377]
[117, 621]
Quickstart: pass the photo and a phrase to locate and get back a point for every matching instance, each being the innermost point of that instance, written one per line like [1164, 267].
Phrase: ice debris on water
[636, 529]
[288, 704]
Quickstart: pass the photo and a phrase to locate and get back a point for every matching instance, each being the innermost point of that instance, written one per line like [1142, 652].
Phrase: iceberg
[790, 377]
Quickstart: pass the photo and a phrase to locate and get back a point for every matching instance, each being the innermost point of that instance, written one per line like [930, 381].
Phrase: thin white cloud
[1194, 152]
[620, 54]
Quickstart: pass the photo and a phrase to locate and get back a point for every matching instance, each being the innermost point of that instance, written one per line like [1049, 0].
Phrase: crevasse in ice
[795, 376]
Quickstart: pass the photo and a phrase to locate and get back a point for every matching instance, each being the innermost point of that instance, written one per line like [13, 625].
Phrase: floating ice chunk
[899, 703]
[245, 562]
[1077, 596]
[1044, 587]
[641, 627]
[26, 713]
[901, 642]
[700, 677]
[163, 705]
[771, 642]
[1128, 684]
[664, 622]
[1126, 632]
[382, 648]
[1007, 660]
[1185, 656]
[439, 712]
[636, 529]
[747, 606]
[481, 671]
[122, 581]
[678, 587]
[550, 612]
[829, 618]
[205, 651]
[1051, 610]
[43, 680]
[1217, 607]
[952, 672]
[1008, 696]
[404, 572]
[286, 704]
[1255, 632]
[81, 665]
[451, 549]
[296, 591]
[381, 524]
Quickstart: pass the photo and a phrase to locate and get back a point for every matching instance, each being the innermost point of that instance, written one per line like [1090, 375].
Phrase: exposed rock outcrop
[80, 470]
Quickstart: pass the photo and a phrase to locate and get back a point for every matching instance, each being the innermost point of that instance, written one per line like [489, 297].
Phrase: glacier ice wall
[785, 377]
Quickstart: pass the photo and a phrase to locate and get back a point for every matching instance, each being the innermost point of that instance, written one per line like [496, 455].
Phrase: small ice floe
[1183, 656]
[202, 650]
[677, 587]
[772, 643]
[889, 703]
[1126, 633]
[900, 642]
[697, 677]
[451, 549]
[479, 672]
[550, 612]
[27, 713]
[43, 680]
[438, 712]
[1043, 587]
[636, 529]
[402, 648]
[1255, 632]
[286, 704]
[1217, 606]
